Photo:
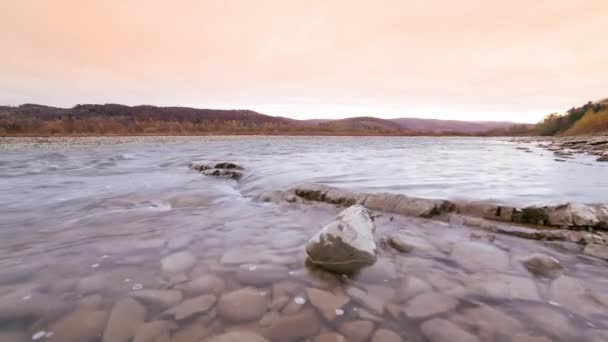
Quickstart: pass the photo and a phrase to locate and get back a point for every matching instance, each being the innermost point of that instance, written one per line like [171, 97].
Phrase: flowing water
[88, 222]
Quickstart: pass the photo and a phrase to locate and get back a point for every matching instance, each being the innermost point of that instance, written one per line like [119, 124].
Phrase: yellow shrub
[591, 122]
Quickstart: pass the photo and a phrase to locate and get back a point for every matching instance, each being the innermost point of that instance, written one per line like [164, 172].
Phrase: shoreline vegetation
[32, 120]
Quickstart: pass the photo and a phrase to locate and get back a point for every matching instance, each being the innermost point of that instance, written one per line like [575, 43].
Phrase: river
[88, 223]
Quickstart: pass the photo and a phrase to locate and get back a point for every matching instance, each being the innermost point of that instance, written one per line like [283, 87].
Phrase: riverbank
[567, 147]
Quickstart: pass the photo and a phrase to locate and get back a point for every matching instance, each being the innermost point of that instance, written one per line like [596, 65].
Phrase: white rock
[347, 243]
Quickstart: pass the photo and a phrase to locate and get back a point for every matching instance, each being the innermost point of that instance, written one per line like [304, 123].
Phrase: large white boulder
[346, 244]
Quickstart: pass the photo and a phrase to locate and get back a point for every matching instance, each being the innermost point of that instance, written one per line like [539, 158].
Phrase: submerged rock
[204, 284]
[441, 330]
[405, 243]
[488, 322]
[577, 296]
[13, 307]
[162, 298]
[194, 332]
[542, 264]
[237, 336]
[330, 337]
[596, 250]
[255, 254]
[530, 338]
[293, 328]
[261, 274]
[327, 303]
[550, 321]
[385, 335]
[412, 286]
[13, 336]
[79, 325]
[178, 262]
[429, 304]
[346, 244]
[503, 286]
[474, 256]
[242, 305]
[156, 331]
[367, 300]
[126, 316]
[191, 307]
[224, 170]
[357, 331]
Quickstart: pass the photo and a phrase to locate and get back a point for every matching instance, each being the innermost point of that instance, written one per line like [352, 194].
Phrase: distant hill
[96, 119]
[438, 126]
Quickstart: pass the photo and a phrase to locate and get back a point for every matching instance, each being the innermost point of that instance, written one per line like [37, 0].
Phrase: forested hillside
[115, 119]
[587, 119]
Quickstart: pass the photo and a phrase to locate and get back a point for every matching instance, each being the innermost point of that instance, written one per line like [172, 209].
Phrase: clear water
[82, 217]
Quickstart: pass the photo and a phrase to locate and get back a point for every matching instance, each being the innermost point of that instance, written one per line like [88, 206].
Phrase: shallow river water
[116, 239]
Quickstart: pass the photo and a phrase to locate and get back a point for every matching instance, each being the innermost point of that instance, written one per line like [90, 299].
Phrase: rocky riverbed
[194, 257]
[567, 147]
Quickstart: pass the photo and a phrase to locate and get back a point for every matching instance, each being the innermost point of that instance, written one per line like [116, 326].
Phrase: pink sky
[474, 60]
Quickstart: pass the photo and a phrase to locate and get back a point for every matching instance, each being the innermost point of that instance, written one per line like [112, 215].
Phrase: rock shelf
[566, 147]
[585, 224]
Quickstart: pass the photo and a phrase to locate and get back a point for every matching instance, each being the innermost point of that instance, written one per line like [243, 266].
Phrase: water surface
[85, 222]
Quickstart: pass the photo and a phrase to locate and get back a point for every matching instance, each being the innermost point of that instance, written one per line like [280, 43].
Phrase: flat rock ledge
[573, 222]
[575, 216]
[222, 170]
[567, 147]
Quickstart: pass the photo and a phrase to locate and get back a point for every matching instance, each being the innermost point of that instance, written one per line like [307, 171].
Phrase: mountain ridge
[146, 119]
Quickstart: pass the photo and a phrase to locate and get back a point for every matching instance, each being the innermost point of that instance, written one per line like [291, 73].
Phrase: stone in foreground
[346, 244]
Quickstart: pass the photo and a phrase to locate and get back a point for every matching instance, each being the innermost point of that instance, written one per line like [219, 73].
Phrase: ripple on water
[70, 266]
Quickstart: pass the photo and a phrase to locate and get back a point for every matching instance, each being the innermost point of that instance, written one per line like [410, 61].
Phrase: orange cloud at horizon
[478, 60]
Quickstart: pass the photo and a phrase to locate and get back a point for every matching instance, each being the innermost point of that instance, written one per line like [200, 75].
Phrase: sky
[515, 60]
